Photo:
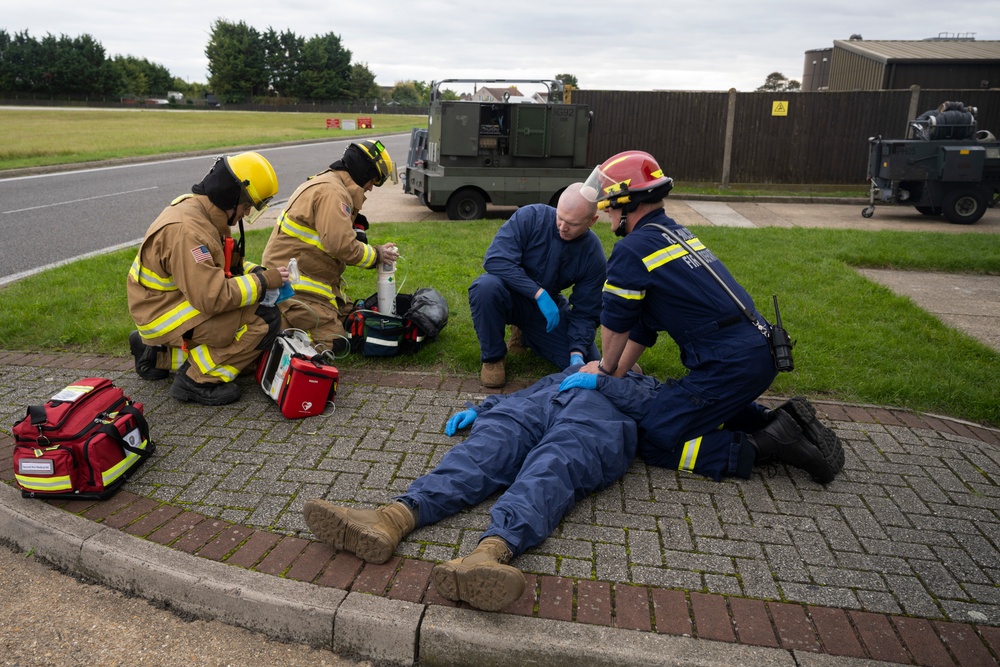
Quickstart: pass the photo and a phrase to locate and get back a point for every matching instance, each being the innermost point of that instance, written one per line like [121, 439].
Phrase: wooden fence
[728, 138]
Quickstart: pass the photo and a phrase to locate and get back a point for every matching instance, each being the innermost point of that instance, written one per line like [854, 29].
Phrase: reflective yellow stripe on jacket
[249, 289]
[301, 232]
[624, 293]
[670, 253]
[150, 280]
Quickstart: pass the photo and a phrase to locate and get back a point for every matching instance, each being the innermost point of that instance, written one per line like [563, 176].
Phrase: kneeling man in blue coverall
[534, 256]
[549, 445]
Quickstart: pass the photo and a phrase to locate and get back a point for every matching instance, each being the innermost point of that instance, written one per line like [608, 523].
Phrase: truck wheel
[554, 202]
[422, 198]
[929, 210]
[466, 204]
[963, 207]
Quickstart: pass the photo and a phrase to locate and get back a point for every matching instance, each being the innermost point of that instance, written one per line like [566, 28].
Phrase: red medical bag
[83, 443]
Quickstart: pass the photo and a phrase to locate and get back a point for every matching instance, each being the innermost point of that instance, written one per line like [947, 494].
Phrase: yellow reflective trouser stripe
[62, 483]
[624, 293]
[690, 455]
[249, 289]
[172, 319]
[304, 284]
[301, 232]
[203, 360]
[150, 280]
[177, 357]
[670, 253]
[115, 471]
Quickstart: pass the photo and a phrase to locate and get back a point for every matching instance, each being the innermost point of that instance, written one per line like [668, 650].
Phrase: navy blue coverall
[549, 449]
[655, 286]
[527, 253]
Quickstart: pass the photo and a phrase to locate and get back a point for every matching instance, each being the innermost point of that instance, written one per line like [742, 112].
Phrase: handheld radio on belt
[778, 339]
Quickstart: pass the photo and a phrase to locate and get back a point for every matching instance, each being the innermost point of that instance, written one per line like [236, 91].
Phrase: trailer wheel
[554, 201]
[929, 210]
[963, 207]
[466, 204]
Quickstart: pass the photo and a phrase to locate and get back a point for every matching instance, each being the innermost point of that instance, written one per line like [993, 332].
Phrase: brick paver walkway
[896, 560]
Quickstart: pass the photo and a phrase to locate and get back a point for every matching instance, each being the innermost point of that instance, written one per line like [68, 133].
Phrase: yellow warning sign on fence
[779, 108]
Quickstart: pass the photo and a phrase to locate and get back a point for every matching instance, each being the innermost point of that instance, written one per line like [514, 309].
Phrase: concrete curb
[387, 632]
[281, 608]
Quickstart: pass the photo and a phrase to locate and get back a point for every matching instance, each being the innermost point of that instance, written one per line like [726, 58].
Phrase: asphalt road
[49, 218]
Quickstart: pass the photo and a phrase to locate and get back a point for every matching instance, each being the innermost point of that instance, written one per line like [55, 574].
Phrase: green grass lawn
[41, 137]
[855, 340]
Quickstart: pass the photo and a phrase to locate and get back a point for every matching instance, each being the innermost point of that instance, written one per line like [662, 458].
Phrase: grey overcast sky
[631, 45]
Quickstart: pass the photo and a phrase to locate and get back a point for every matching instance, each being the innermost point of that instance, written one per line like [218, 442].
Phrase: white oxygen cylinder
[387, 288]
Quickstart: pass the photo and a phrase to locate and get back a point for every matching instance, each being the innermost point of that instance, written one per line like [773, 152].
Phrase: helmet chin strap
[621, 229]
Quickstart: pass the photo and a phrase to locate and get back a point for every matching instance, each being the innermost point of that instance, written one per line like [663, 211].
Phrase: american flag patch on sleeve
[346, 208]
[201, 254]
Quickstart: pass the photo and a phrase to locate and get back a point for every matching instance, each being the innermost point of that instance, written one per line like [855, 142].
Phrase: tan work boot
[515, 344]
[493, 374]
[371, 535]
[483, 578]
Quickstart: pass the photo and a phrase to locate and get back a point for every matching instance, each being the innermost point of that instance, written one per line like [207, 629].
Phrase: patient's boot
[782, 441]
[371, 535]
[483, 578]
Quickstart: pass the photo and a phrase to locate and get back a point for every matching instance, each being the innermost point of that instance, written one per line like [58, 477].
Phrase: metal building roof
[901, 51]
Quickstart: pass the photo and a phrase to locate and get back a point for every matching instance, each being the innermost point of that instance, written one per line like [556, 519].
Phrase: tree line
[75, 66]
[244, 65]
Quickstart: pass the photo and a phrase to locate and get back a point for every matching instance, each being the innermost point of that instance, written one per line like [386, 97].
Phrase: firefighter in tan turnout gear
[323, 229]
[194, 301]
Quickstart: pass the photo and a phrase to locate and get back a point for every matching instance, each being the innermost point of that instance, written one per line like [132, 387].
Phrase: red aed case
[295, 375]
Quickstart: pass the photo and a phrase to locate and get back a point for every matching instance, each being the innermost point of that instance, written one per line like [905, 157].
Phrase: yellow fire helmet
[379, 156]
[258, 181]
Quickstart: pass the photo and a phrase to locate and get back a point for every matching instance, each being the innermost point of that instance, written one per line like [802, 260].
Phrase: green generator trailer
[510, 152]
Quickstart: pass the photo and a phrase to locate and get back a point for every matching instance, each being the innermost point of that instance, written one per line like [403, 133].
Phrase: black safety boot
[215, 393]
[371, 535]
[782, 441]
[145, 358]
[803, 412]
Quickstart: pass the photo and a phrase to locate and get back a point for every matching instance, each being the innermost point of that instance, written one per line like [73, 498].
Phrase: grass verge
[42, 137]
[855, 340]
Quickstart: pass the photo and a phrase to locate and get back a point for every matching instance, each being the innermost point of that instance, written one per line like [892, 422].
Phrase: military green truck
[944, 166]
[510, 152]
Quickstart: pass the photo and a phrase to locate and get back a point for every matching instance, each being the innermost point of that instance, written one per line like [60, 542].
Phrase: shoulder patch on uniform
[201, 253]
[346, 207]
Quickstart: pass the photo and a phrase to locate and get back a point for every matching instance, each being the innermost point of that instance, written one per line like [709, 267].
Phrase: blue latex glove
[462, 420]
[285, 291]
[575, 359]
[581, 380]
[549, 309]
